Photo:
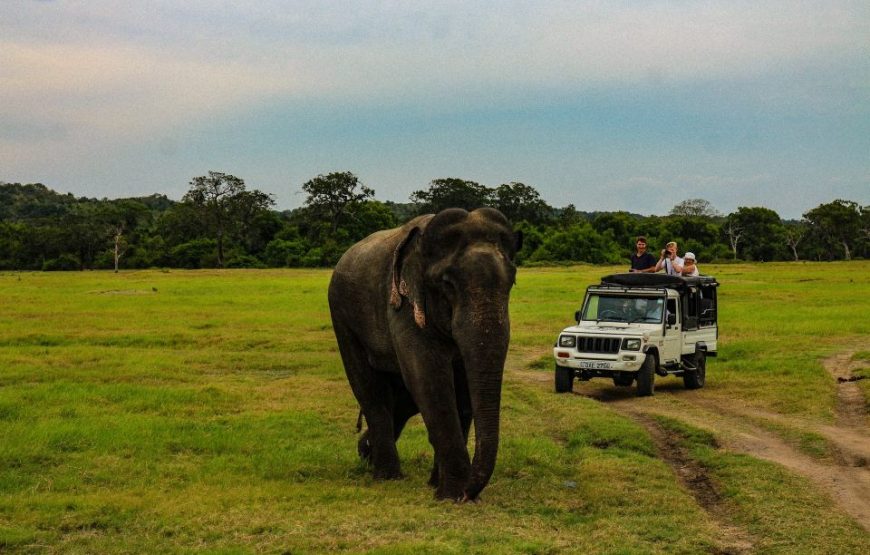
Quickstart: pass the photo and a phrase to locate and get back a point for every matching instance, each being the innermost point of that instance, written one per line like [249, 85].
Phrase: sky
[607, 105]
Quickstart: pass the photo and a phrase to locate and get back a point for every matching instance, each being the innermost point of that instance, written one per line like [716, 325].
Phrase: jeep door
[673, 339]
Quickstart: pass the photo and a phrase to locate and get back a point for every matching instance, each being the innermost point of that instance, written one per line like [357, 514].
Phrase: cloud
[194, 57]
[557, 79]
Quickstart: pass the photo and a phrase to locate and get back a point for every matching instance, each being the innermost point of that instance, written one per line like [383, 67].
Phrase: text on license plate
[594, 365]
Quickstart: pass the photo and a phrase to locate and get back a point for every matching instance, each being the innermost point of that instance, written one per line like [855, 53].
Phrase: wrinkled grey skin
[421, 317]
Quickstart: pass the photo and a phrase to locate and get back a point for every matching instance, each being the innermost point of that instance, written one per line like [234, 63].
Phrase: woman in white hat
[689, 266]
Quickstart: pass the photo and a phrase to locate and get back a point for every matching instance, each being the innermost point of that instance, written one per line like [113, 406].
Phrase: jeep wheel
[623, 379]
[646, 377]
[694, 379]
[564, 379]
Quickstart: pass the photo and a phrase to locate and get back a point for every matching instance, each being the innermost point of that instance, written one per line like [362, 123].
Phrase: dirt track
[845, 475]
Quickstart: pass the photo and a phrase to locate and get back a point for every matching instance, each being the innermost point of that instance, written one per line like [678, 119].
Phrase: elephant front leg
[430, 379]
[463, 404]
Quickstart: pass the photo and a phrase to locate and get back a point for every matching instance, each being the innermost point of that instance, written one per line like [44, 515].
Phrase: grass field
[207, 411]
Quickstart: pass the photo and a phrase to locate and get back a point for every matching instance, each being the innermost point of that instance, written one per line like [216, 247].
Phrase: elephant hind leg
[364, 447]
[378, 443]
[404, 406]
[374, 392]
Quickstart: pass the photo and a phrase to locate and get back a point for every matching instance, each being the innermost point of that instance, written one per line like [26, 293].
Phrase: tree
[569, 216]
[733, 231]
[794, 233]
[762, 232]
[695, 207]
[693, 233]
[622, 226]
[840, 223]
[368, 217]
[333, 196]
[222, 205]
[520, 202]
[452, 193]
[579, 242]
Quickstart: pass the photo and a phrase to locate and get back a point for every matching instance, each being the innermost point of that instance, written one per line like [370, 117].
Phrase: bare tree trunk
[119, 251]
[220, 246]
[846, 250]
[734, 234]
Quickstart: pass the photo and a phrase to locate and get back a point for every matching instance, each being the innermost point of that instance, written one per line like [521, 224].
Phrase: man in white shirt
[669, 261]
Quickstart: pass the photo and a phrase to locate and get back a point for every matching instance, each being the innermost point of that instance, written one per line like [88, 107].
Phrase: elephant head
[456, 271]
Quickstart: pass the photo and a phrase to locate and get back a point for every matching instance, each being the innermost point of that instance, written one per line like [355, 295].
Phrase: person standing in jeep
[669, 261]
[642, 260]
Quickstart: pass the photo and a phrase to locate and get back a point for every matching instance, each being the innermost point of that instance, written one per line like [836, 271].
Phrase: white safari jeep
[634, 326]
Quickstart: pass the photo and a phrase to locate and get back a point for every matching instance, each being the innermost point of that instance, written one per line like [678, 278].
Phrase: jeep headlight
[567, 341]
[631, 344]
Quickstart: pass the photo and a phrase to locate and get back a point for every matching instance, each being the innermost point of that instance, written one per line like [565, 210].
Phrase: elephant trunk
[483, 343]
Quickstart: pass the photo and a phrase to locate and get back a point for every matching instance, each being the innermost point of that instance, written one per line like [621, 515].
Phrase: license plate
[594, 365]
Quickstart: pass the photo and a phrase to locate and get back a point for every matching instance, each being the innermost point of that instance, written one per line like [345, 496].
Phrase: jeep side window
[672, 307]
[708, 306]
[690, 309]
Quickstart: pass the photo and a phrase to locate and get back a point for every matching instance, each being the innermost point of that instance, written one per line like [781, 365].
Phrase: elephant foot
[433, 476]
[453, 492]
[385, 462]
[387, 474]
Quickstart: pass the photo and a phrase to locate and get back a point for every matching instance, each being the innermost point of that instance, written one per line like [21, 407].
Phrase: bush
[281, 253]
[243, 261]
[199, 253]
[578, 242]
[62, 263]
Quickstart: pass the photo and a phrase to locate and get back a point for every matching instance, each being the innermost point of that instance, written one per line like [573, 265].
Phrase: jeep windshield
[608, 308]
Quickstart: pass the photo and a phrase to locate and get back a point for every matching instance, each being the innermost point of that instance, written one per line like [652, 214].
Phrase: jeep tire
[623, 379]
[564, 379]
[694, 379]
[646, 376]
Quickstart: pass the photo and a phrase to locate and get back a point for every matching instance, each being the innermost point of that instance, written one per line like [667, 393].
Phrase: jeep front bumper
[629, 361]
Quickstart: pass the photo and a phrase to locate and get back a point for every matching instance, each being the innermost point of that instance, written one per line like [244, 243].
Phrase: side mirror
[577, 316]
[672, 319]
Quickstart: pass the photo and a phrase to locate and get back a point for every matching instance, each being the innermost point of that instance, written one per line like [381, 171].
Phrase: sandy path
[745, 429]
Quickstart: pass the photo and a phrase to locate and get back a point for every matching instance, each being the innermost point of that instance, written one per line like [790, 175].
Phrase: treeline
[220, 223]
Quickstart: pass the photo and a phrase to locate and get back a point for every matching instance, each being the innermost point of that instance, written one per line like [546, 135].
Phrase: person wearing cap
[669, 261]
[689, 266]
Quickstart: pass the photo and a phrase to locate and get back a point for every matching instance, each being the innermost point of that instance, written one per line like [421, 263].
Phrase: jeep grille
[598, 344]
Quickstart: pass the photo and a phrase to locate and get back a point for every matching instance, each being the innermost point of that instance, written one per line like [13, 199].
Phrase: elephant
[420, 313]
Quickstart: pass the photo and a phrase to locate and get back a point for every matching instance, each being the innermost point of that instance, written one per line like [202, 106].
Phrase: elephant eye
[448, 281]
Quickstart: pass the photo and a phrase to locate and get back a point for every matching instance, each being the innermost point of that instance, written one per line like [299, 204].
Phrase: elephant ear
[407, 276]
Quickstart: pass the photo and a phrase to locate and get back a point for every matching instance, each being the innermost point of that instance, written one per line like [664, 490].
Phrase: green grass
[207, 411]
[763, 497]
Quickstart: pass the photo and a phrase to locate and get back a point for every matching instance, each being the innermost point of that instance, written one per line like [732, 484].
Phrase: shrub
[64, 262]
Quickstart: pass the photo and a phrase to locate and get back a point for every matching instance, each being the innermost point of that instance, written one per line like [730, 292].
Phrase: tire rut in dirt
[695, 479]
[851, 405]
[848, 486]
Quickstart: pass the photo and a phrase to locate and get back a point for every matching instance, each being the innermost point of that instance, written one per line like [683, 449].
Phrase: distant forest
[220, 223]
